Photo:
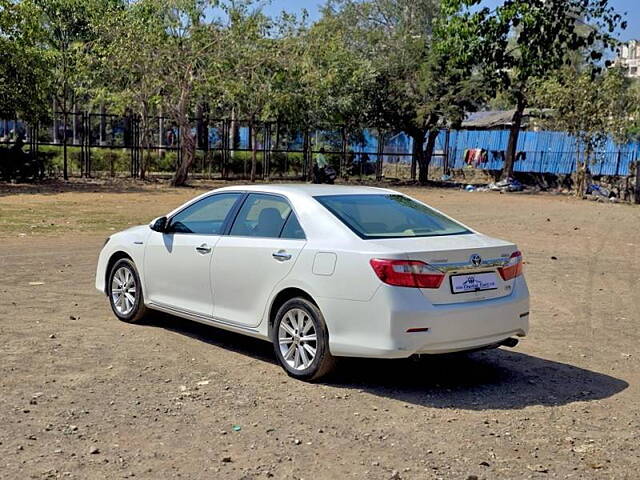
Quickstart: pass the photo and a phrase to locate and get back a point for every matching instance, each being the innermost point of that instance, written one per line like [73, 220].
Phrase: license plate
[474, 282]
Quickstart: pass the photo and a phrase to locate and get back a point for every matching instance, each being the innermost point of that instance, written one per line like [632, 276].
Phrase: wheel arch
[283, 296]
[115, 256]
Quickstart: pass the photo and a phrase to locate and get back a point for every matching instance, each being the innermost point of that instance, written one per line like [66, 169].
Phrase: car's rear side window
[389, 216]
[292, 228]
[264, 215]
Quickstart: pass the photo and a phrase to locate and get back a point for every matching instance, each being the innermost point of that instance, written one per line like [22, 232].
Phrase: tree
[590, 107]
[251, 62]
[25, 65]
[123, 65]
[528, 40]
[337, 80]
[65, 27]
[163, 52]
[424, 59]
[263, 65]
[189, 59]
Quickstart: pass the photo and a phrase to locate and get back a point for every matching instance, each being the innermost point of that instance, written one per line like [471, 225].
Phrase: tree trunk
[65, 165]
[418, 152]
[232, 133]
[277, 147]
[514, 133]
[145, 143]
[379, 157]
[581, 174]
[187, 151]
[55, 123]
[160, 131]
[103, 125]
[64, 111]
[636, 190]
[426, 158]
[344, 167]
[254, 148]
[74, 125]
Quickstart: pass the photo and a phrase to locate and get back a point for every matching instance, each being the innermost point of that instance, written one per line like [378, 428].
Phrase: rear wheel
[300, 340]
[125, 292]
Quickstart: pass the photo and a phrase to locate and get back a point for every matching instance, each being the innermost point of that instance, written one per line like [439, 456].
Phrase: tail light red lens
[407, 273]
[513, 268]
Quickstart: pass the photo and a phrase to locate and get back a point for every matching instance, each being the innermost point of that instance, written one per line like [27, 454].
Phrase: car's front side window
[262, 215]
[205, 217]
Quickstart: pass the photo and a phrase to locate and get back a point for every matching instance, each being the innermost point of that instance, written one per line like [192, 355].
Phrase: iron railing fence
[224, 146]
[107, 144]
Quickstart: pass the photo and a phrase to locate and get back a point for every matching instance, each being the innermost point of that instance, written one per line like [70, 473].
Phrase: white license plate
[474, 282]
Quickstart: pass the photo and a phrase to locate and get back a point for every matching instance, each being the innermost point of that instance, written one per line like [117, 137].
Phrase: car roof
[308, 189]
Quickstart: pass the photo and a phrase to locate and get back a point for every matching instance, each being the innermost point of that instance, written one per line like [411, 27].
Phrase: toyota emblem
[476, 260]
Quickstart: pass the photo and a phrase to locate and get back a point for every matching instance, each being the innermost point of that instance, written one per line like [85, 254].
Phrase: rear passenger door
[261, 248]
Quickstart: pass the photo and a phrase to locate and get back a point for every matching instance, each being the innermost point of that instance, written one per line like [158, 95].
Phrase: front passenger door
[260, 250]
[177, 262]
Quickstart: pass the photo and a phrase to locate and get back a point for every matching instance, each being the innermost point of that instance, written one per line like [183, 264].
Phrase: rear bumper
[378, 328]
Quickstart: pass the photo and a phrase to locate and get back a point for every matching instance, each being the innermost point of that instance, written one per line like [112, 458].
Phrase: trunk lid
[457, 255]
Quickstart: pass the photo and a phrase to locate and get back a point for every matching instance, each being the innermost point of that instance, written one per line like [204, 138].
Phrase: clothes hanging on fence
[475, 156]
[497, 155]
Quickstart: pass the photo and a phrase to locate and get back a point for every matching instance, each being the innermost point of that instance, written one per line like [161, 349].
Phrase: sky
[313, 6]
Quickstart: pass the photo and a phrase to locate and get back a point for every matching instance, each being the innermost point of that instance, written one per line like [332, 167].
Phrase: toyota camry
[322, 272]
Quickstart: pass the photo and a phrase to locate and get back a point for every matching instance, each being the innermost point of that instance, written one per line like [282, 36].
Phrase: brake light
[513, 268]
[407, 273]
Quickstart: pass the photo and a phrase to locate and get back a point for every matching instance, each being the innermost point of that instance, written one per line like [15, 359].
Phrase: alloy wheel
[123, 291]
[297, 338]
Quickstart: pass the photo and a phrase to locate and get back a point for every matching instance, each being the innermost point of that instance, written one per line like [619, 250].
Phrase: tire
[124, 270]
[295, 354]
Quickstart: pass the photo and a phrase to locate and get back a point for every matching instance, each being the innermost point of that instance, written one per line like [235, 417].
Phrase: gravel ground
[85, 396]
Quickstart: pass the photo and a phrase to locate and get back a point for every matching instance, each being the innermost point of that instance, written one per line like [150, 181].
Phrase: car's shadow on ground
[492, 379]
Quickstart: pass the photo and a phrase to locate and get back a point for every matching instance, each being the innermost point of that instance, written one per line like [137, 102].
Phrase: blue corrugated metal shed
[542, 152]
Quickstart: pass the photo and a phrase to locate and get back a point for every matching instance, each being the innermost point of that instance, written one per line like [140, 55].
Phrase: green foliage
[396, 65]
[418, 59]
[590, 107]
[25, 86]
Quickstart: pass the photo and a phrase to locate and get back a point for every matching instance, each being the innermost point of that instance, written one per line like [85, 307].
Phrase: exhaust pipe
[509, 342]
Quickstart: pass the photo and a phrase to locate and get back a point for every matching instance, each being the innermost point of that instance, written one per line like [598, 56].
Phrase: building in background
[629, 58]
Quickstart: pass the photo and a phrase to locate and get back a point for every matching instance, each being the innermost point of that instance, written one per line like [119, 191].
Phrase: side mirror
[159, 224]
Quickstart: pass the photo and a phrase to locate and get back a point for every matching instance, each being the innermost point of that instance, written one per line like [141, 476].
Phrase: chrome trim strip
[197, 317]
[466, 266]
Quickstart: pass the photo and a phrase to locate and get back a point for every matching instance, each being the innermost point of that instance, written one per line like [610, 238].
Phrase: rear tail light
[513, 268]
[407, 273]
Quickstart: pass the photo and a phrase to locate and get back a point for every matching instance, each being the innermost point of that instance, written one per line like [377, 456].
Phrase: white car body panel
[176, 274]
[245, 274]
[235, 285]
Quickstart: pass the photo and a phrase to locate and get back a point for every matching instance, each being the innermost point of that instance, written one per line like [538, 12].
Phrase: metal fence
[104, 144]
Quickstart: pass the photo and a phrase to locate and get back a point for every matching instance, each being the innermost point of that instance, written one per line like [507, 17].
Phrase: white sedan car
[322, 272]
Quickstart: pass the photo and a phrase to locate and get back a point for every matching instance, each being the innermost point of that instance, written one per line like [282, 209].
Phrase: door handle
[203, 249]
[281, 256]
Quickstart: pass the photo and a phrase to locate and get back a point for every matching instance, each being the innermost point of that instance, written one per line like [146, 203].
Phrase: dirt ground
[84, 396]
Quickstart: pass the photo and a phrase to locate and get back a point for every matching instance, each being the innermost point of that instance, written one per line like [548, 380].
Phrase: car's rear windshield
[389, 216]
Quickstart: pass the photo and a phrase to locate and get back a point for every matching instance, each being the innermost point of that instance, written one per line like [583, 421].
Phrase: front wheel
[125, 292]
[300, 340]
